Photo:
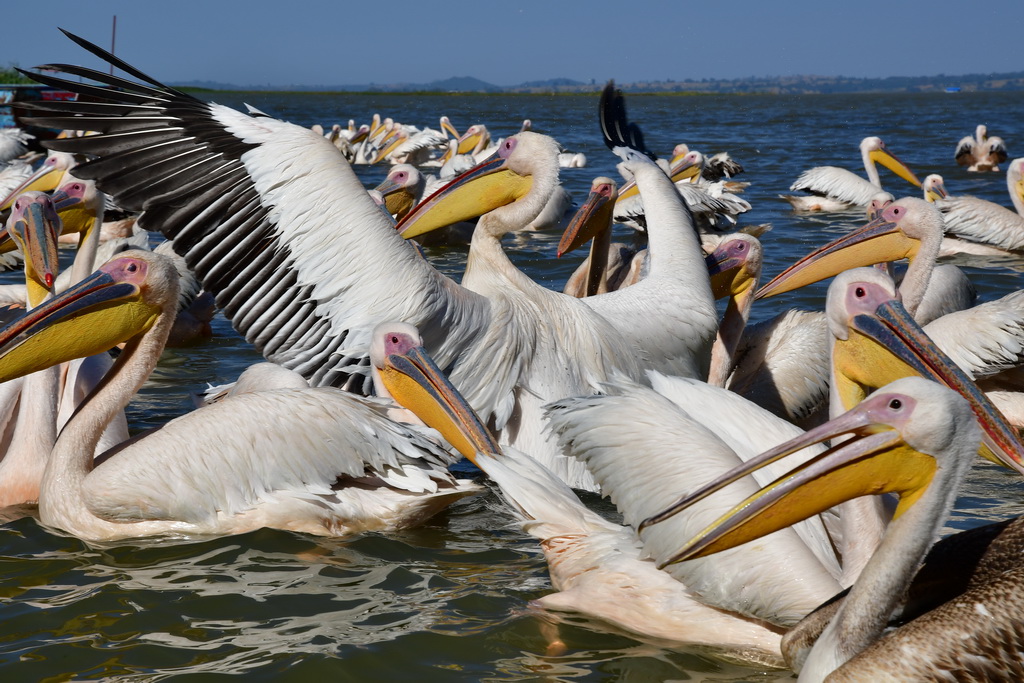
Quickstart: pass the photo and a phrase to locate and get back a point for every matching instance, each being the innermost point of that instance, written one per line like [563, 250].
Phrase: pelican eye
[895, 404]
[132, 267]
[859, 292]
[394, 339]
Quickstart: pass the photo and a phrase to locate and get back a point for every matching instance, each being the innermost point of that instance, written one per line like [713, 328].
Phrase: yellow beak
[416, 383]
[93, 316]
[481, 189]
[874, 460]
[879, 241]
[889, 160]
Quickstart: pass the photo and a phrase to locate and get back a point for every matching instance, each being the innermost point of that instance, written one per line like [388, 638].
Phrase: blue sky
[279, 43]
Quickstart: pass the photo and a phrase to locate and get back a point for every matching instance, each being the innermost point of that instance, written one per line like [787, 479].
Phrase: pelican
[983, 339]
[30, 428]
[864, 313]
[608, 265]
[913, 438]
[980, 153]
[837, 189]
[934, 188]
[782, 363]
[977, 221]
[222, 469]
[304, 264]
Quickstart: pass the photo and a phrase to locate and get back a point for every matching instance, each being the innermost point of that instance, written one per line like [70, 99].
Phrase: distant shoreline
[438, 93]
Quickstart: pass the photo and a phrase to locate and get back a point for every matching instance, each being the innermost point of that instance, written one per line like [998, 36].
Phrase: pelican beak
[592, 217]
[889, 345]
[891, 162]
[483, 188]
[877, 242]
[397, 200]
[416, 383]
[96, 314]
[34, 225]
[874, 460]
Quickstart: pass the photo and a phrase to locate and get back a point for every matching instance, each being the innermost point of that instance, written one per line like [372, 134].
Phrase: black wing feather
[615, 125]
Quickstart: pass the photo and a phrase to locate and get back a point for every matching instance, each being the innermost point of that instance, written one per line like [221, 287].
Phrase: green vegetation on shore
[11, 75]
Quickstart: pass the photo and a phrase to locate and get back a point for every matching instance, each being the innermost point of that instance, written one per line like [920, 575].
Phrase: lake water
[450, 601]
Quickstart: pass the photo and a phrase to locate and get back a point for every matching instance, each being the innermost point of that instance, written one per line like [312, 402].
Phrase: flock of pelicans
[382, 372]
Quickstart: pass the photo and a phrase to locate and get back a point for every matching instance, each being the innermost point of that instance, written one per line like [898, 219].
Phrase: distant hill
[769, 84]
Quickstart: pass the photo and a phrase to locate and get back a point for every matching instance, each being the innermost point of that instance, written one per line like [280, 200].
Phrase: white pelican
[315, 460]
[405, 187]
[304, 263]
[980, 153]
[977, 221]
[913, 438]
[837, 189]
[933, 187]
[982, 339]
[607, 265]
[782, 364]
[30, 405]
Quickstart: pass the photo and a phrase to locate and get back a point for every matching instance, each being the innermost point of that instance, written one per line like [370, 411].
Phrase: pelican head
[475, 139]
[400, 188]
[525, 167]
[934, 187]
[734, 266]
[593, 216]
[900, 229]
[46, 178]
[34, 226]
[404, 371]
[874, 151]
[119, 302]
[900, 438]
[877, 342]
